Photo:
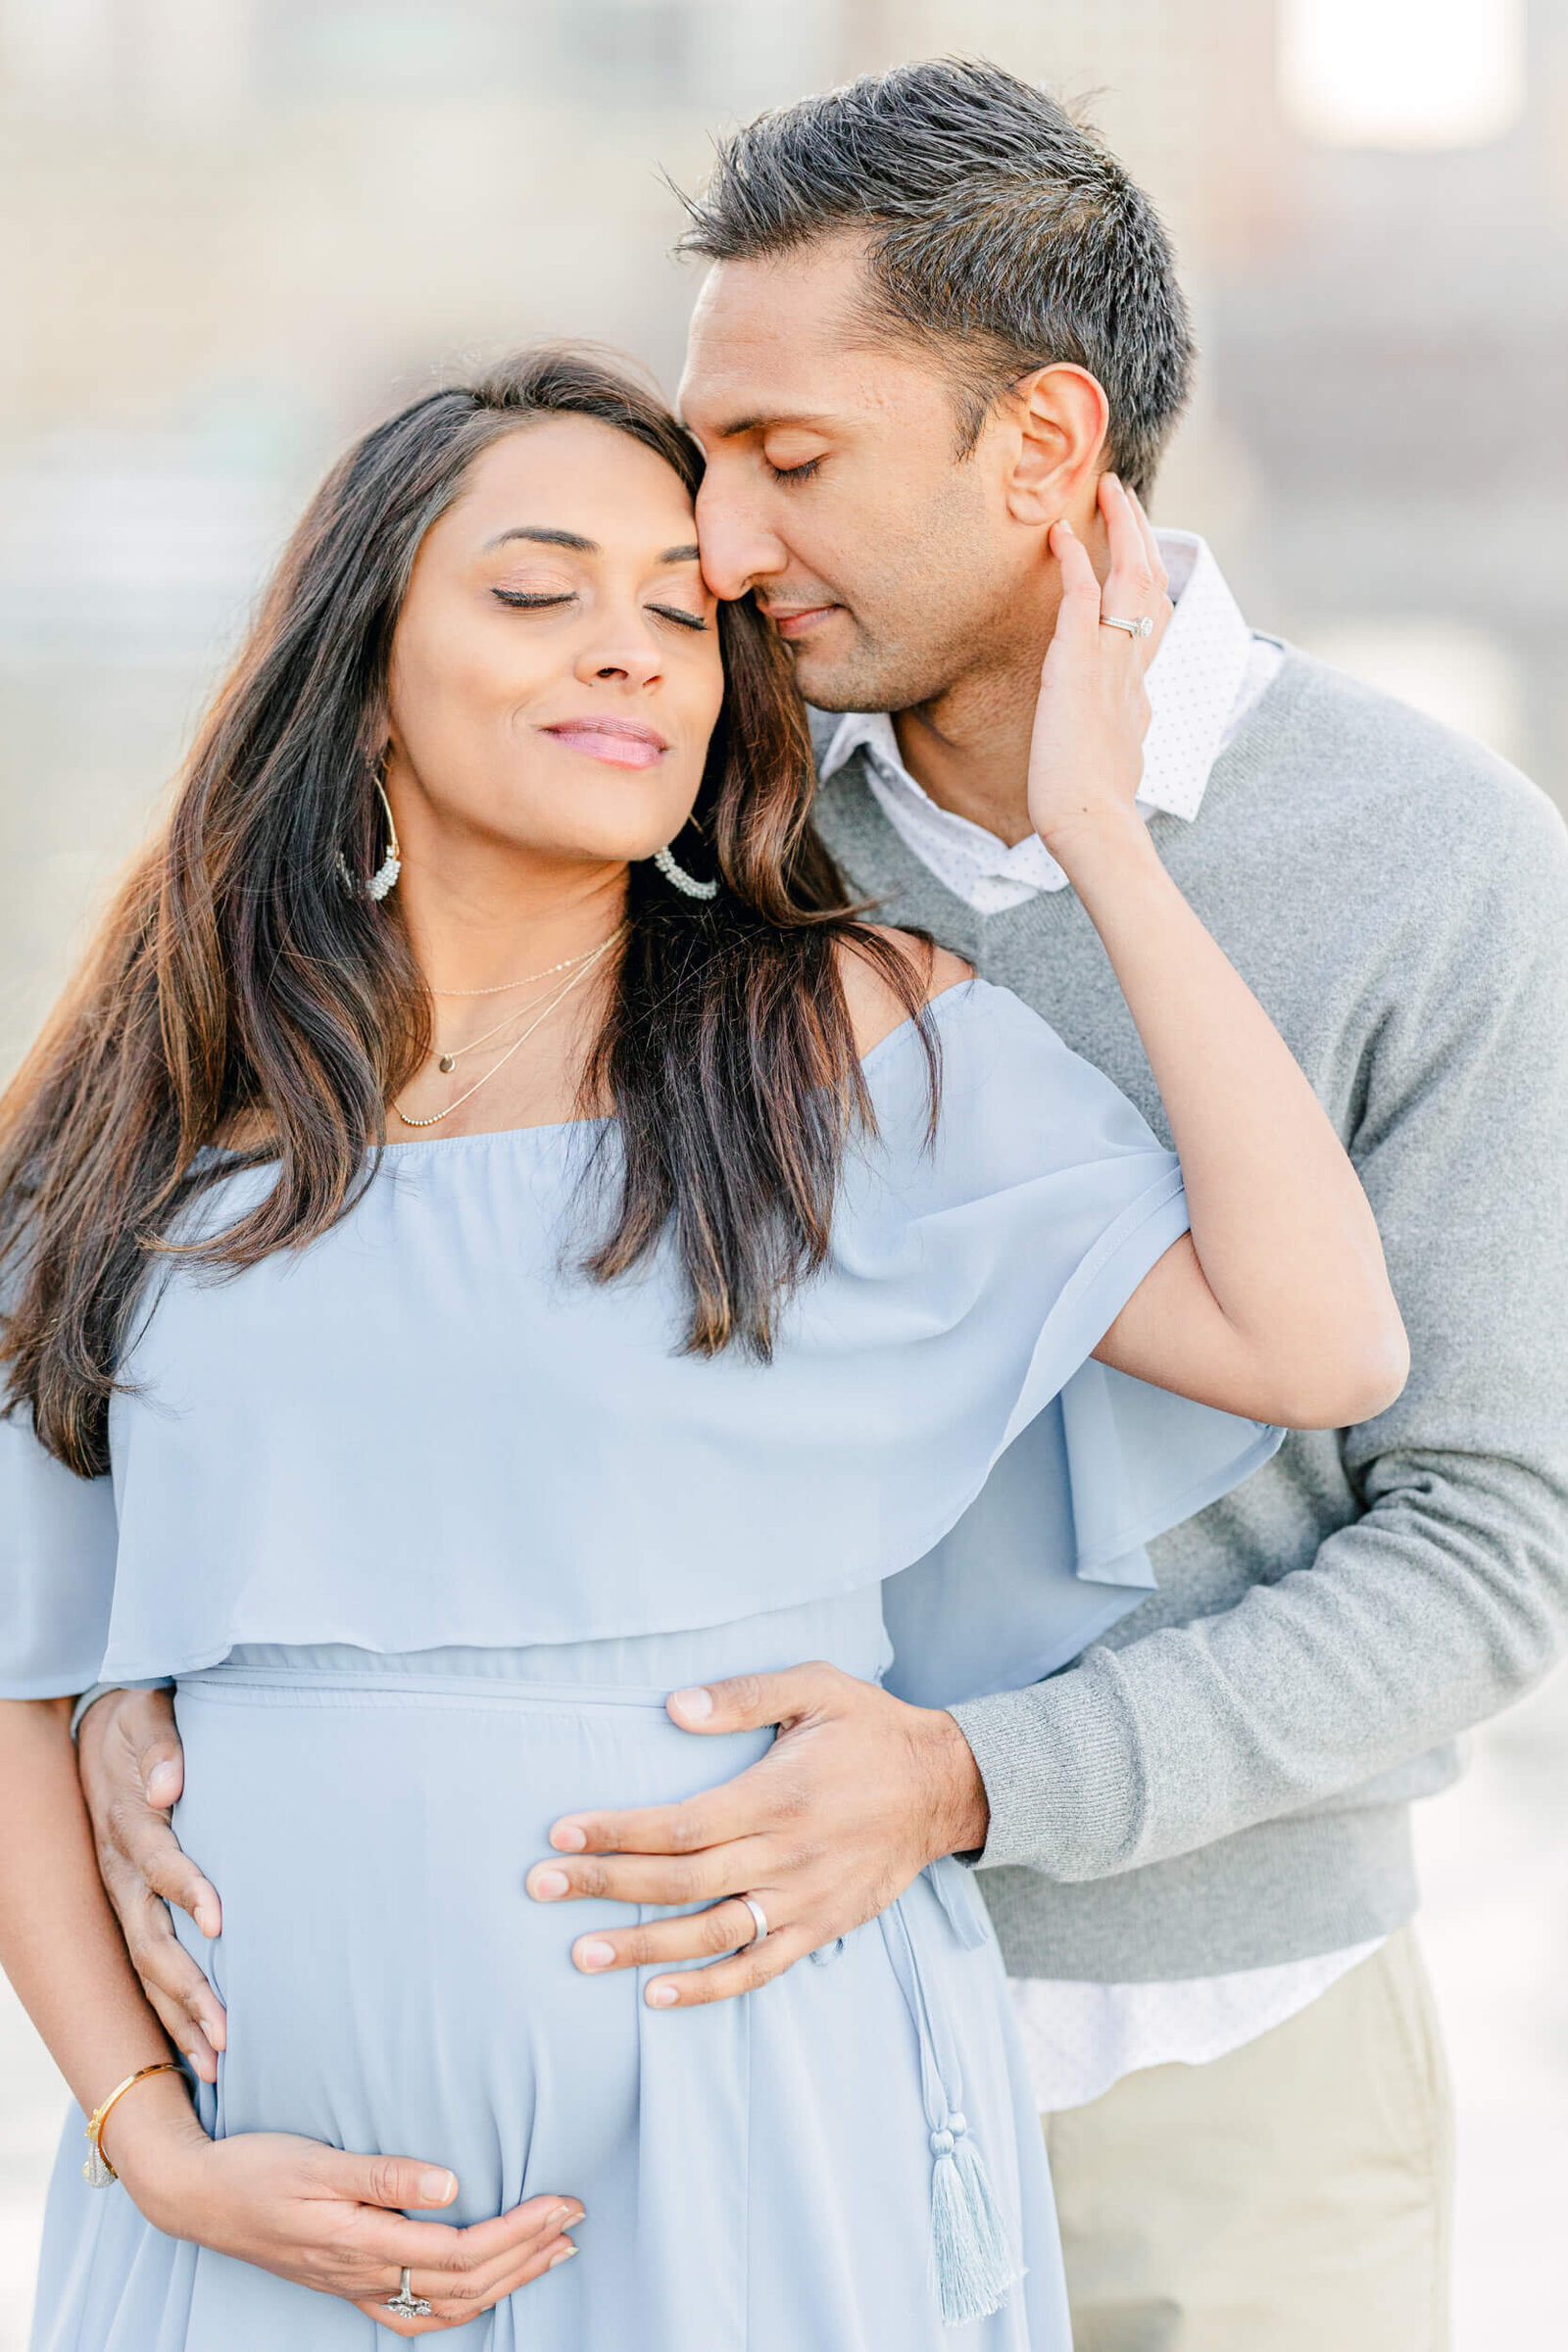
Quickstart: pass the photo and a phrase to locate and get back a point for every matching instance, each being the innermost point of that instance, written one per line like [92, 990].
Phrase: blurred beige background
[232, 232]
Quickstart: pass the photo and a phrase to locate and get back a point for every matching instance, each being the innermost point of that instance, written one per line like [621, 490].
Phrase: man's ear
[1059, 418]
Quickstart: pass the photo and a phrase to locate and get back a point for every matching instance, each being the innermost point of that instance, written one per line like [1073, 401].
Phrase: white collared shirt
[1209, 670]
[1081, 2037]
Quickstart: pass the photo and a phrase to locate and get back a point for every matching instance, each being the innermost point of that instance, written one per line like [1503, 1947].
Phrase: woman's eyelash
[530, 600]
[794, 474]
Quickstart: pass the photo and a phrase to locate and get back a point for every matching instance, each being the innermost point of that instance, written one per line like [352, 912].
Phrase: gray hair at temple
[1002, 235]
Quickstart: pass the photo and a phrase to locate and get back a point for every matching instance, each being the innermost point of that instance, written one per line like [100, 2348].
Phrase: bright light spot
[1402, 72]
[1464, 676]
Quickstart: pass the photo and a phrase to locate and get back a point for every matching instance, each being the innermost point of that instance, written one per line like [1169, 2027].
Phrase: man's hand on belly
[856, 1794]
[133, 1768]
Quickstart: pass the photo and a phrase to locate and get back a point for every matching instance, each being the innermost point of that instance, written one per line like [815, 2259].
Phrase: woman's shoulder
[1009, 1091]
[877, 1003]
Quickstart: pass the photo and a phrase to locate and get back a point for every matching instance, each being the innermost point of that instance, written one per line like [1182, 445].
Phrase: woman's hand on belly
[331, 2221]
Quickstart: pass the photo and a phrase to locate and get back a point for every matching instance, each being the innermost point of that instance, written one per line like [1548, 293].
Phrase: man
[937, 313]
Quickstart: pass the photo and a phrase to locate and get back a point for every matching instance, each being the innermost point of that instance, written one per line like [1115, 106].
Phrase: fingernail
[162, 1782]
[556, 2259]
[661, 1996]
[568, 1839]
[1066, 526]
[697, 1704]
[558, 2217]
[549, 1886]
[596, 1953]
[437, 2188]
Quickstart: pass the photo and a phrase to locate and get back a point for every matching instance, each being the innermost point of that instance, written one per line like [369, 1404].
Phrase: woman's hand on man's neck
[968, 746]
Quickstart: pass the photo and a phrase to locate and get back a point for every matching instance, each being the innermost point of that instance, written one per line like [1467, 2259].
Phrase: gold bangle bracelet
[98, 2171]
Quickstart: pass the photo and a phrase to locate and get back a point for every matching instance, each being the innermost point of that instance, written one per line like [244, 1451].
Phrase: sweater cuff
[1063, 1774]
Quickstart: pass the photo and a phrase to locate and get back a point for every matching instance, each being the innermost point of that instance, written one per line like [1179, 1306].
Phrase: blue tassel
[975, 2266]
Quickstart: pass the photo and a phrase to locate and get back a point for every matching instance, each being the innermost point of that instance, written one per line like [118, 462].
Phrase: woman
[492, 1238]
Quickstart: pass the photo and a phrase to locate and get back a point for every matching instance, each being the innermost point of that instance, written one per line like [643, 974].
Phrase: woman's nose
[622, 662]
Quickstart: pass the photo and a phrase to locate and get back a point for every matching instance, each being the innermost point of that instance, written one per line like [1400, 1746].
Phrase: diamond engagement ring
[758, 1914]
[1134, 628]
[406, 2302]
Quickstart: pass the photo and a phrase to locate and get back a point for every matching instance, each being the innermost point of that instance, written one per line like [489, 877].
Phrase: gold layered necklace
[504, 988]
[585, 964]
[448, 1061]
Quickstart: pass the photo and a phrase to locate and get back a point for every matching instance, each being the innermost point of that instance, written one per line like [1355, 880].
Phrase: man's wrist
[961, 1815]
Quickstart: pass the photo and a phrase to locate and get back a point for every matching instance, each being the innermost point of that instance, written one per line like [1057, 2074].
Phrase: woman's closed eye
[677, 613]
[539, 599]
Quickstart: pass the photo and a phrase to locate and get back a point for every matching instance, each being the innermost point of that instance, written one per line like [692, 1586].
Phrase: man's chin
[829, 685]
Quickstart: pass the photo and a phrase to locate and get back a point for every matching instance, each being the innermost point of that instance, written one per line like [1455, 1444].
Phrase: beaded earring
[386, 873]
[678, 878]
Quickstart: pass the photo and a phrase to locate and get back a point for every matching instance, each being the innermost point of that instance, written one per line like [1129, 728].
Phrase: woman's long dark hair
[234, 980]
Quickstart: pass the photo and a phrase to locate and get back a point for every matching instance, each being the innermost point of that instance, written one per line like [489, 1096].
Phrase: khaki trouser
[1290, 2197]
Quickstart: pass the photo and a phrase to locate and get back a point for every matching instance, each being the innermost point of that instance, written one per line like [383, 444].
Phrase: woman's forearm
[1302, 1327]
[60, 1943]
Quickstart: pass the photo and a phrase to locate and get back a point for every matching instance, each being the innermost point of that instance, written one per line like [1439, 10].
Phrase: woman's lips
[619, 742]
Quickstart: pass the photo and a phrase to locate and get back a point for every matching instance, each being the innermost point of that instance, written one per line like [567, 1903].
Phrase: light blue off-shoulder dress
[425, 1526]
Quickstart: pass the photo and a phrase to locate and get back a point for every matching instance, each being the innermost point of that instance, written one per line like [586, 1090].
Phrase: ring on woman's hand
[407, 2302]
[759, 1915]
[1134, 628]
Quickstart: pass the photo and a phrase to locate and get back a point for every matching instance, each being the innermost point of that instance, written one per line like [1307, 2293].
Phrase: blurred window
[339, 49]
[644, 50]
[1402, 72]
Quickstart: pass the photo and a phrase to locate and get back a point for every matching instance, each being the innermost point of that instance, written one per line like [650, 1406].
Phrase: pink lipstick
[619, 742]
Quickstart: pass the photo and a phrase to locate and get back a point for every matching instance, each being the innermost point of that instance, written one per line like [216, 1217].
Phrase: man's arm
[1449, 1597]
[1446, 1599]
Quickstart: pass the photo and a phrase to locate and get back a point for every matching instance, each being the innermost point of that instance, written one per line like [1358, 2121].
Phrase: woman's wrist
[1098, 841]
[150, 2138]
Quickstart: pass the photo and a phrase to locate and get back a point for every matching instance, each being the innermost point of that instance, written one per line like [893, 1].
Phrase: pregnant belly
[390, 1985]
[757, 2172]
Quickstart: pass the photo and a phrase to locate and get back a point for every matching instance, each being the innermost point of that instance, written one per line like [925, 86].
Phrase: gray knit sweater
[1224, 1781]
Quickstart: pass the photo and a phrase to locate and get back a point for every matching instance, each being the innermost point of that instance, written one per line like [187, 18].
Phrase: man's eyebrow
[547, 538]
[764, 423]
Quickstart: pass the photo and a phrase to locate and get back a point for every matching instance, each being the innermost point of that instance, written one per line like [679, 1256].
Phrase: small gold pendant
[446, 1063]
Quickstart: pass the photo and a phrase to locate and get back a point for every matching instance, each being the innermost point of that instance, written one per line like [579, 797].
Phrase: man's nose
[738, 548]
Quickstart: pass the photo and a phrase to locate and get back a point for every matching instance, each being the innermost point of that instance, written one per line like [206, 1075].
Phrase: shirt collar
[1194, 682]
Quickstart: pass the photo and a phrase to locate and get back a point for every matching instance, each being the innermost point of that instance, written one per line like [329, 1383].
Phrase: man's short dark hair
[1001, 233]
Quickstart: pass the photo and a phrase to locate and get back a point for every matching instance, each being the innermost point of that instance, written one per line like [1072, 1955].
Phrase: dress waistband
[847, 1630]
[404, 1676]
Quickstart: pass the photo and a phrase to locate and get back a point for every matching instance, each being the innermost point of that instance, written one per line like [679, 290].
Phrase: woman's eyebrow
[548, 538]
[543, 537]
